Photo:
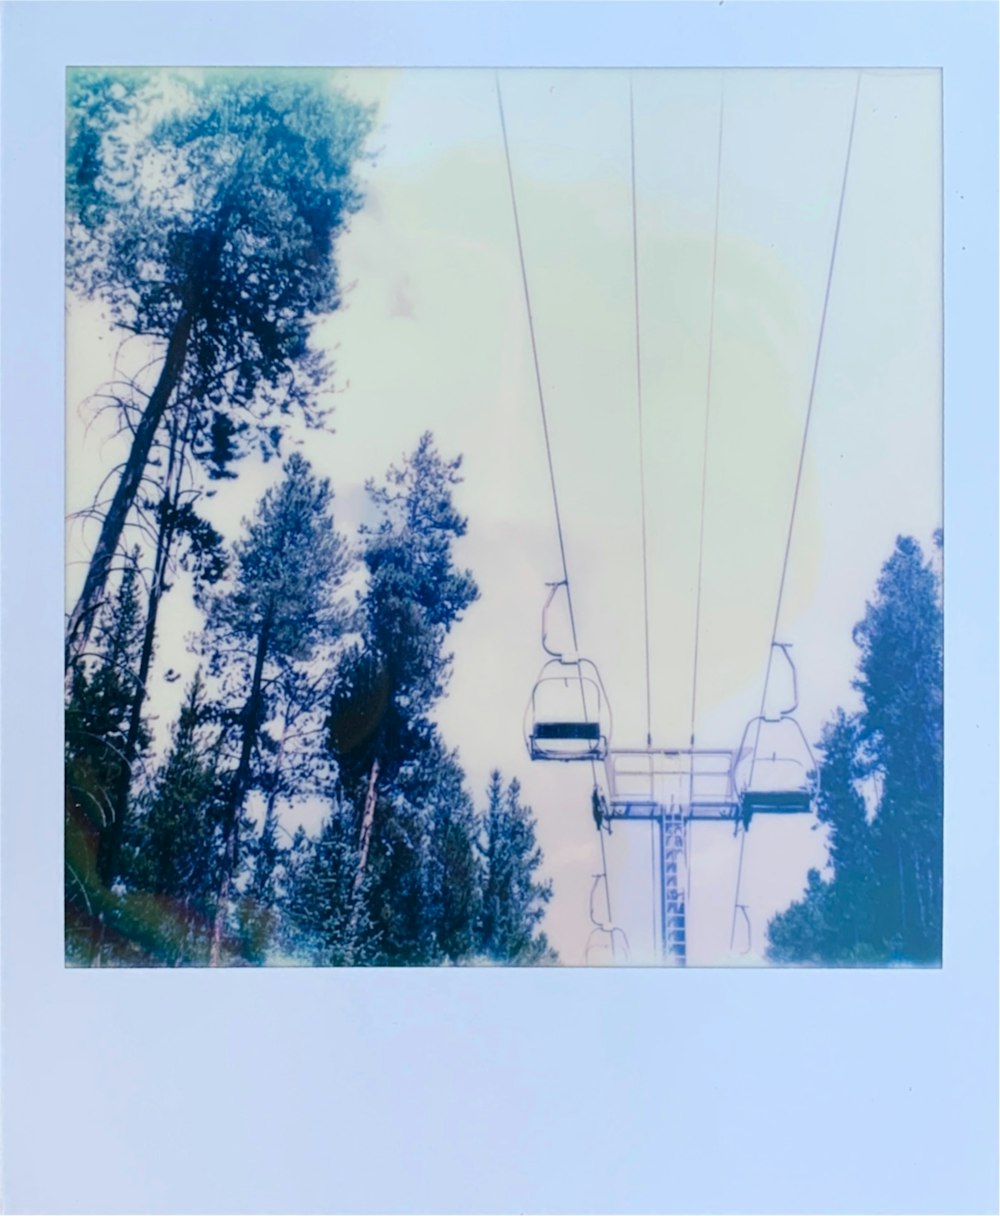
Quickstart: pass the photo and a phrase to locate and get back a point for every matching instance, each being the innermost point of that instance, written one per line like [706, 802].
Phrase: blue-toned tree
[97, 725]
[883, 900]
[413, 820]
[514, 900]
[202, 211]
[281, 613]
[172, 846]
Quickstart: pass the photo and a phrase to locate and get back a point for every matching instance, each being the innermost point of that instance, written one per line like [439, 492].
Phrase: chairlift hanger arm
[553, 588]
[785, 647]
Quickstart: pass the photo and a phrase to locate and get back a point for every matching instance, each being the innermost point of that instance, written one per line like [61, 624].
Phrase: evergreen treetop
[882, 901]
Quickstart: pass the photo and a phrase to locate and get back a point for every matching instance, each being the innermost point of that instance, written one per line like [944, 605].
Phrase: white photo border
[483, 1090]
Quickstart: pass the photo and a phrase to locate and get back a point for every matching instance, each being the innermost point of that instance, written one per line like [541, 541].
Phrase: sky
[433, 335]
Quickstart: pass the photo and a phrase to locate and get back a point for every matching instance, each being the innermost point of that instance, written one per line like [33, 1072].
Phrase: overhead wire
[548, 445]
[739, 881]
[710, 366]
[708, 406]
[638, 397]
[548, 449]
[537, 366]
[642, 476]
[801, 463]
[607, 927]
[604, 870]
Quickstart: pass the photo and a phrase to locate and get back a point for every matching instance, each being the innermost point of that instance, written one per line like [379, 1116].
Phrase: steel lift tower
[671, 788]
[771, 772]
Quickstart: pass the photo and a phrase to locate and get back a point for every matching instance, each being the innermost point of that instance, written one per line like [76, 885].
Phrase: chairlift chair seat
[567, 717]
[777, 802]
[567, 741]
[590, 731]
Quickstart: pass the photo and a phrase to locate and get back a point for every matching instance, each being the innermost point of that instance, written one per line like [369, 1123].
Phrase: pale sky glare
[433, 335]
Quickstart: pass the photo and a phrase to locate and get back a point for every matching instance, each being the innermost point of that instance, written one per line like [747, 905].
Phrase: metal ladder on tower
[673, 913]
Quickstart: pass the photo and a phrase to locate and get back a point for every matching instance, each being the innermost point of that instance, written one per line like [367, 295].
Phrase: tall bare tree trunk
[238, 789]
[904, 919]
[364, 840]
[367, 819]
[109, 849]
[81, 621]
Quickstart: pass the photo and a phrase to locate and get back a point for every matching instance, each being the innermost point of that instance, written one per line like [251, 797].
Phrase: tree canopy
[301, 698]
[218, 199]
[398, 668]
[881, 789]
[203, 211]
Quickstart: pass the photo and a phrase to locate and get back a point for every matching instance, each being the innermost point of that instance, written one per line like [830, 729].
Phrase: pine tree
[514, 901]
[423, 880]
[836, 921]
[389, 681]
[882, 902]
[324, 915]
[97, 725]
[172, 849]
[203, 215]
[901, 683]
[257, 913]
[178, 527]
[456, 888]
[280, 613]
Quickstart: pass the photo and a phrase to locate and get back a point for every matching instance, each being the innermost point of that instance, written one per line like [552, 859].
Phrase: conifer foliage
[513, 898]
[98, 711]
[279, 615]
[881, 789]
[302, 698]
[174, 853]
[203, 213]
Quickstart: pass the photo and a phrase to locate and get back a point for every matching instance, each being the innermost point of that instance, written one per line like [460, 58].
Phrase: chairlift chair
[774, 770]
[773, 773]
[567, 717]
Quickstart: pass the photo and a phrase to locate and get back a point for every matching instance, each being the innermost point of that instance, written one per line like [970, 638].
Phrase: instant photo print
[513, 490]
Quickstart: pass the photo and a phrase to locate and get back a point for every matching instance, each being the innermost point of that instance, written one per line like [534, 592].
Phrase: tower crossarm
[696, 781]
